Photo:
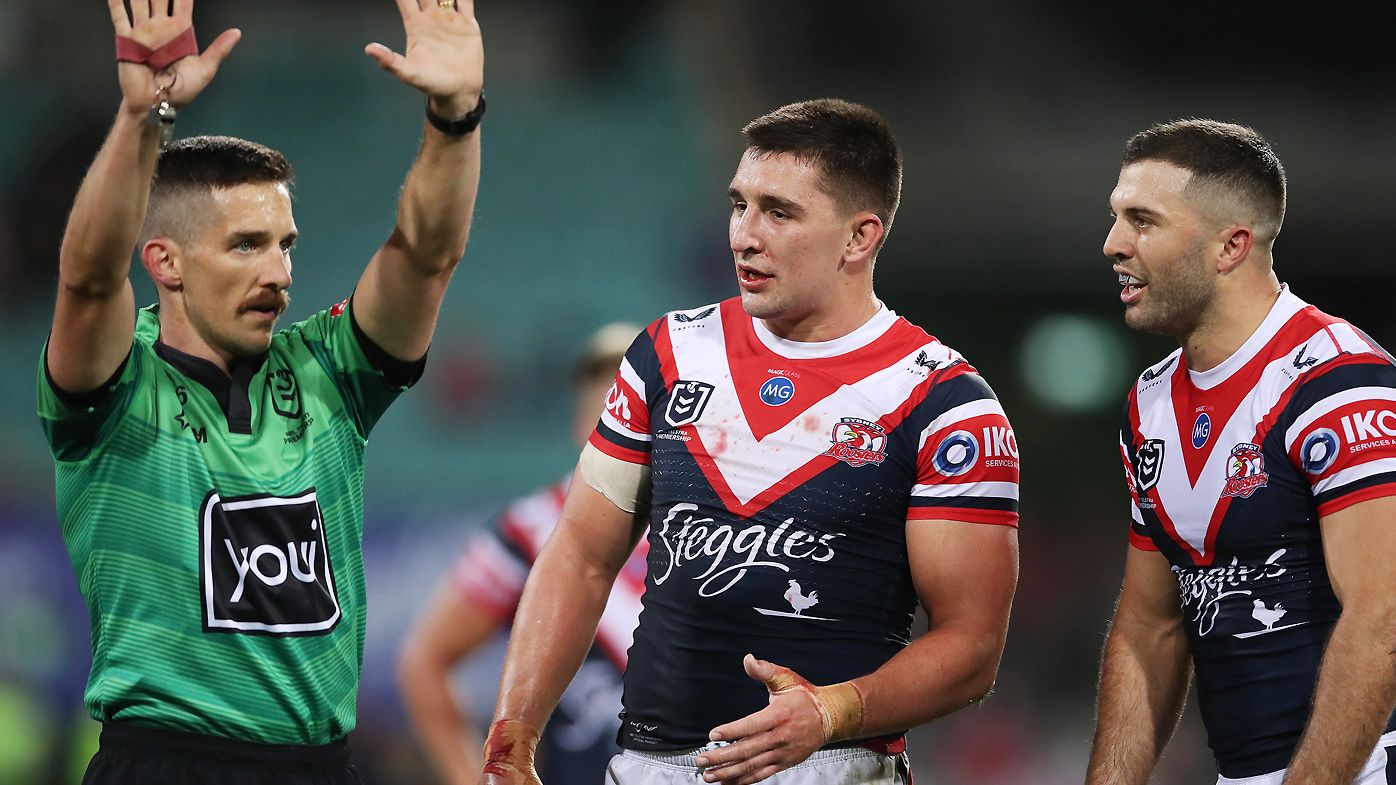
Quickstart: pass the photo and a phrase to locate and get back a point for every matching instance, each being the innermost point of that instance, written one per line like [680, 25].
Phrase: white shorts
[853, 766]
[1374, 773]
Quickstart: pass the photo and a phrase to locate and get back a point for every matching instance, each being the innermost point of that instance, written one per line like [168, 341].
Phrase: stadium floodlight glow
[1073, 363]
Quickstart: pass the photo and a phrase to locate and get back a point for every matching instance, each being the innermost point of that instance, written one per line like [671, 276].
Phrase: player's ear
[159, 257]
[1236, 243]
[864, 239]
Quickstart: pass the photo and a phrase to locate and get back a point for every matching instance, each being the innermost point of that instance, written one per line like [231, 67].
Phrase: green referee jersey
[215, 525]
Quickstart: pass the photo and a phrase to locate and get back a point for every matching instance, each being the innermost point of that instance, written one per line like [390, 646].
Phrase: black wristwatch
[460, 127]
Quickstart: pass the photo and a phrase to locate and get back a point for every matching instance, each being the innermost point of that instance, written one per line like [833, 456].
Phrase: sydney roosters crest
[1245, 471]
[858, 442]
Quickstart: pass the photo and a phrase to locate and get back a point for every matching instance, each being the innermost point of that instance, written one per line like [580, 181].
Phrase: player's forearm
[442, 723]
[105, 222]
[1353, 700]
[553, 629]
[1144, 676]
[939, 673]
[438, 198]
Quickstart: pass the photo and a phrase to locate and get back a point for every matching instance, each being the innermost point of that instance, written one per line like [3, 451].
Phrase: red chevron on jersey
[784, 439]
[1241, 398]
[1215, 405]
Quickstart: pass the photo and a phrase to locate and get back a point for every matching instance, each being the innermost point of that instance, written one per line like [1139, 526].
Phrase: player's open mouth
[751, 275]
[1132, 287]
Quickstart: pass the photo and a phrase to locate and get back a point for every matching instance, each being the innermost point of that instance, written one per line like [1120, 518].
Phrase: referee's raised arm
[94, 317]
[400, 293]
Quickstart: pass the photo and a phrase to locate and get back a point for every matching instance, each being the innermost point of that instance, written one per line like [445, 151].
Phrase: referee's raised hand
[445, 54]
[155, 25]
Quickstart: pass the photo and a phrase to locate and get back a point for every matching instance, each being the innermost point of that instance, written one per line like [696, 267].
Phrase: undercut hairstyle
[189, 170]
[1231, 165]
[851, 144]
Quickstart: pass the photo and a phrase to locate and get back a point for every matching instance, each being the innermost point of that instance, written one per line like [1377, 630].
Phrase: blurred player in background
[478, 599]
[1263, 479]
[210, 469]
[811, 466]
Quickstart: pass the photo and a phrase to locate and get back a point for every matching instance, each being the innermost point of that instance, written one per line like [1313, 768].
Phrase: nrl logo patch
[858, 442]
[1148, 462]
[686, 402]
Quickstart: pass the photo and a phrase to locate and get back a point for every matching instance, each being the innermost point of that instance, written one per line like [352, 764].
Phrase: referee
[210, 468]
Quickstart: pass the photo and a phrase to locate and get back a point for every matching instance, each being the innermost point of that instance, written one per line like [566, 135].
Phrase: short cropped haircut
[1227, 159]
[850, 143]
[194, 167]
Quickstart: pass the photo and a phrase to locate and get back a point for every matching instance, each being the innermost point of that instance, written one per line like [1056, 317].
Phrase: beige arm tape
[624, 483]
[840, 705]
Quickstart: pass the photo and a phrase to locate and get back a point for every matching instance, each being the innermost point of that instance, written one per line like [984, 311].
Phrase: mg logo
[266, 565]
[1201, 429]
[777, 390]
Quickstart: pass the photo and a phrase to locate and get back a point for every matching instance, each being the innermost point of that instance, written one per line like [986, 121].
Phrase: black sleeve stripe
[1327, 382]
[960, 390]
[396, 373]
[622, 441]
[1333, 494]
[969, 502]
[82, 401]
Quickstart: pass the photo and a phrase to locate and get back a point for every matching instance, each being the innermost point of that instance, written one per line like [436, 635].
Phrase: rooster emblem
[1268, 616]
[800, 602]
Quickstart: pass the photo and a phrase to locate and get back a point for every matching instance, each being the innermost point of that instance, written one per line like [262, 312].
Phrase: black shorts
[133, 755]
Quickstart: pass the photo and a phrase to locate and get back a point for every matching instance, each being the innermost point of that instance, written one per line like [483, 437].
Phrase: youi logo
[1201, 429]
[777, 390]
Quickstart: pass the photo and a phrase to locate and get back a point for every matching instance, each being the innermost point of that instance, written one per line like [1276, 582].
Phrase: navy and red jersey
[579, 739]
[784, 476]
[1230, 472]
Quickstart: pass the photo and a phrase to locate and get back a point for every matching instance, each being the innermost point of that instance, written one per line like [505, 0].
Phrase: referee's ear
[159, 257]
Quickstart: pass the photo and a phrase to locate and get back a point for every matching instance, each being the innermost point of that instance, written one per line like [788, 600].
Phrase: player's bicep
[1149, 596]
[1359, 542]
[593, 531]
[965, 574]
[91, 337]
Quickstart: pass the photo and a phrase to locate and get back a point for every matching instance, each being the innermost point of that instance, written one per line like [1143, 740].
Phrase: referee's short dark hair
[194, 167]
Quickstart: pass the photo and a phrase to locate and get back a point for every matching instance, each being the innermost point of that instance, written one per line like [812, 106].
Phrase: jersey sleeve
[368, 378]
[624, 430]
[75, 425]
[1341, 433]
[967, 458]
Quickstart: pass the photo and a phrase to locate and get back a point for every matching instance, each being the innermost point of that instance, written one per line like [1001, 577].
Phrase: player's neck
[827, 324]
[1230, 321]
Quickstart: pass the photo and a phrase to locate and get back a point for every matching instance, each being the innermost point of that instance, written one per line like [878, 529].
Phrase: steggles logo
[688, 539]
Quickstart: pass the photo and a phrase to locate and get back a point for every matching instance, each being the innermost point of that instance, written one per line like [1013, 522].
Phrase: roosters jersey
[1230, 471]
[784, 475]
[579, 739]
